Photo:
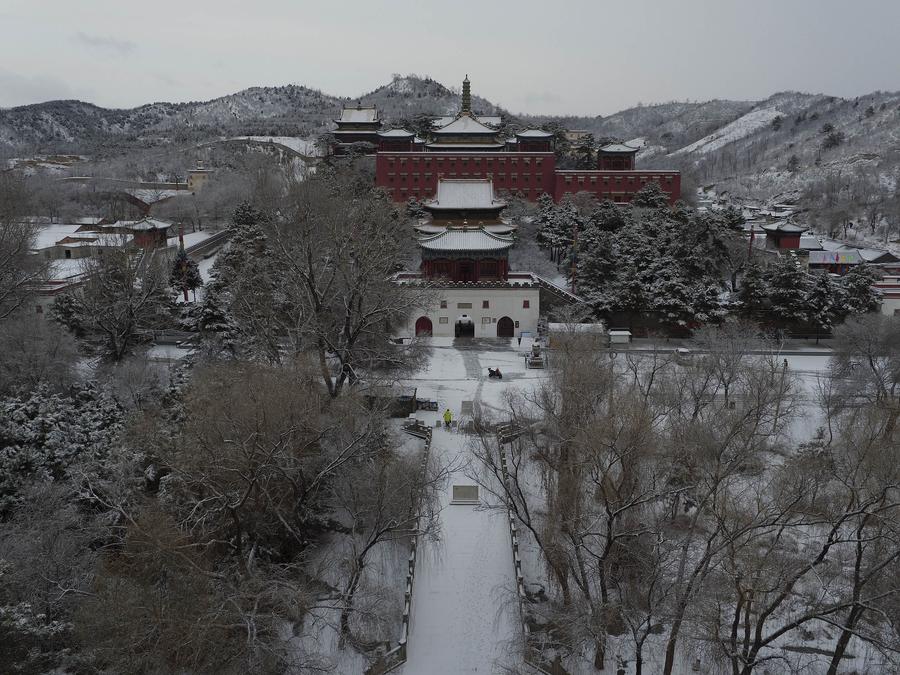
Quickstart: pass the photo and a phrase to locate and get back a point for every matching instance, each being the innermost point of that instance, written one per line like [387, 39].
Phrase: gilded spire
[466, 97]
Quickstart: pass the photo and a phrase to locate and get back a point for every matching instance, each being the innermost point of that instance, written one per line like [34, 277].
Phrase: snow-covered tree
[788, 285]
[185, 275]
[121, 296]
[651, 196]
[752, 296]
[860, 297]
[823, 303]
[43, 434]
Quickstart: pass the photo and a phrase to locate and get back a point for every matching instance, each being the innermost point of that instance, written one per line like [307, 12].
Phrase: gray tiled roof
[465, 240]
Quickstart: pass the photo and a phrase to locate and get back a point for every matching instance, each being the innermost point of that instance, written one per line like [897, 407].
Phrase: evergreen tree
[651, 196]
[545, 219]
[788, 285]
[185, 275]
[66, 311]
[753, 295]
[822, 303]
[859, 295]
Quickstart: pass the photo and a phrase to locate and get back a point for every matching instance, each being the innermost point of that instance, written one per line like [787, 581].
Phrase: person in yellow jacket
[448, 417]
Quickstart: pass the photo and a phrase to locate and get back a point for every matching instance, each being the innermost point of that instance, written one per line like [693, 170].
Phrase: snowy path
[464, 619]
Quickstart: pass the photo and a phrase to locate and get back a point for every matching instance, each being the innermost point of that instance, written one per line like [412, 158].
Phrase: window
[39, 309]
[444, 319]
[443, 304]
[463, 305]
[485, 304]
[68, 253]
[526, 304]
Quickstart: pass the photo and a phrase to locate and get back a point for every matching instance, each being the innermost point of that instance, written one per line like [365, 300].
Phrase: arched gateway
[505, 327]
[423, 327]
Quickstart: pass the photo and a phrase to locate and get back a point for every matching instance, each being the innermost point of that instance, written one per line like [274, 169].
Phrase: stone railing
[396, 656]
[506, 433]
[207, 245]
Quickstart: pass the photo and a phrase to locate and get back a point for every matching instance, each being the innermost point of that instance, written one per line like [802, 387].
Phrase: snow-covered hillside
[740, 128]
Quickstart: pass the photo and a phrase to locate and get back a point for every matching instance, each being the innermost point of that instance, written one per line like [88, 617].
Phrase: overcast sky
[571, 56]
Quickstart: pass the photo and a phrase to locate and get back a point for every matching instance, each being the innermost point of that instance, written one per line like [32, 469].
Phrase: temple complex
[472, 146]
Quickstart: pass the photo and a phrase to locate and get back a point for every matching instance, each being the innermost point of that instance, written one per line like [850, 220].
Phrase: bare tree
[340, 244]
[20, 271]
[123, 293]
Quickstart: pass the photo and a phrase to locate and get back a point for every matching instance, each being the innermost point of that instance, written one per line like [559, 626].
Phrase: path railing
[396, 656]
[506, 434]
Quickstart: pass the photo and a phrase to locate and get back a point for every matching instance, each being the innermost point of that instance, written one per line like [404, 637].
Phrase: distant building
[359, 124]
[889, 287]
[197, 177]
[783, 235]
[846, 258]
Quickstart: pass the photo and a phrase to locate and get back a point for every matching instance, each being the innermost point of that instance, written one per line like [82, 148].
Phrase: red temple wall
[615, 186]
[415, 174]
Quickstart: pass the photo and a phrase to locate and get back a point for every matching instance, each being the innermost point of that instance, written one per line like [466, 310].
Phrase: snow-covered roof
[47, 235]
[465, 193]
[359, 114]
[465, 240]
[846, 257]
[809, 242]
[785, 228]
[87, 239]
[466, 124]
[489, 120]
[534, 133]
[618, 147]
[143, 225]
[868, 254]
[396, 133]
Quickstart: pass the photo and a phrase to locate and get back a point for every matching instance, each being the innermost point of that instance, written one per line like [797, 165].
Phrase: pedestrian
[448, 417]
[520, 340]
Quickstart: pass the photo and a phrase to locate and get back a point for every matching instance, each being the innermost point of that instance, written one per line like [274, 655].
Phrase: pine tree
[185, 275]
[753, 295]
[859, 295]
[651, 196]
[545, 219]
[788, 285]
[822, 303]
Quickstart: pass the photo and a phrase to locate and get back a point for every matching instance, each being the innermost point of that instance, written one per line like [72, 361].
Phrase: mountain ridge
[741, 143]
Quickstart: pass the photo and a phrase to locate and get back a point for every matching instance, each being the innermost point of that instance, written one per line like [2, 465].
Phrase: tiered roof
[359, 115]
[465, 194]
[466, 124]
[465, 239]
[534, 133]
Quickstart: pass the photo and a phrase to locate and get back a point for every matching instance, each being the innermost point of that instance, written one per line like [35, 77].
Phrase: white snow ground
[464, 616]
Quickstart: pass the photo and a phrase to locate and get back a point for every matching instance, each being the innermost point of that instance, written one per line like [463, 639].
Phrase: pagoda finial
[466, 96]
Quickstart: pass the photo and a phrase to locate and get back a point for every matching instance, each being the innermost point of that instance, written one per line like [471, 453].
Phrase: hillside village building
[468, 145]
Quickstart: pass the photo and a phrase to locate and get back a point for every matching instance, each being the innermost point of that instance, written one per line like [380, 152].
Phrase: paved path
[464, 619]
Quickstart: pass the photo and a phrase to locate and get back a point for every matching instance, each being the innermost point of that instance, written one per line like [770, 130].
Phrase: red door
[423, 327]
[505, 327]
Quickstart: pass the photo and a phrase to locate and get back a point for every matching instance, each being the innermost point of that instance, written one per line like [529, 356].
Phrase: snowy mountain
[744, 145]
